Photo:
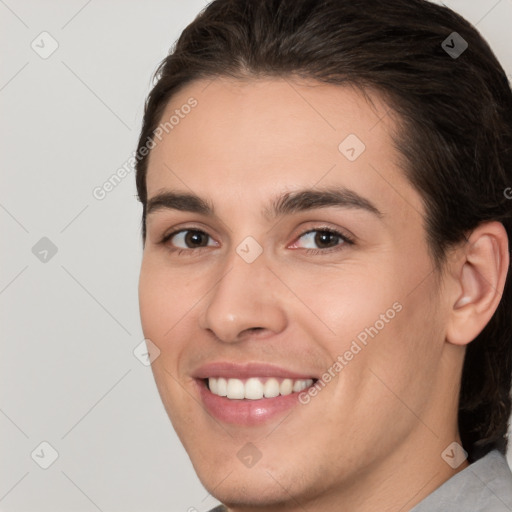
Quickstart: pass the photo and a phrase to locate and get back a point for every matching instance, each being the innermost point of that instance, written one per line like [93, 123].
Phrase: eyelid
[345, 234]
[169, 233]
[172, 233]
[344, 241]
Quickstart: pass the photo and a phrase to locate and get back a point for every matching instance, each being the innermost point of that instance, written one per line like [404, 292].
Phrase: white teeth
[299, 385]
[214, 386]
[222, 387]
[235, 389]
[286, 387]
[256, 388]
[271, 388]
[253, 389]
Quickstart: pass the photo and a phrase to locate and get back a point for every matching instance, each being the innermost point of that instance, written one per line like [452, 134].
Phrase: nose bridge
[243, 299]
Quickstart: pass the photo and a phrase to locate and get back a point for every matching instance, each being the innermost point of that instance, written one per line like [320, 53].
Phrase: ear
[479, 269]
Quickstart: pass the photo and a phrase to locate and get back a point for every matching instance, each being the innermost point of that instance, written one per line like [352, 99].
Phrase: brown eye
[190, 239]
[326, 239]
[320, 239]
[196, 239]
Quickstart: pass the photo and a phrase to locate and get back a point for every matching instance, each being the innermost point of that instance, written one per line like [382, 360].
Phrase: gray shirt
[484, 486]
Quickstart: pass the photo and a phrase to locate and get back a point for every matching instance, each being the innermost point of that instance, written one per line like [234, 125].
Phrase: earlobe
[480, 281]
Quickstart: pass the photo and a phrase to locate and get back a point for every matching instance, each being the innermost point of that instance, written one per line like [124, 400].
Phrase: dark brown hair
[455, 136]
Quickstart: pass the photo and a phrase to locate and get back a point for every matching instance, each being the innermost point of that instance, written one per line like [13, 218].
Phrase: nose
[245, 299]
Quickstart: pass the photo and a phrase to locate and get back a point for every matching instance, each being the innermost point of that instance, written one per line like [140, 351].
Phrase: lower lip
[246, 412]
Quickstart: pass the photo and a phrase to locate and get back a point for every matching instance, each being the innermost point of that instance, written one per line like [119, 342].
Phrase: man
[325, 269]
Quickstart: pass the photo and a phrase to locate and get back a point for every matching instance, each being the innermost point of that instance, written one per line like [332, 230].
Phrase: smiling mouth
[256, 388]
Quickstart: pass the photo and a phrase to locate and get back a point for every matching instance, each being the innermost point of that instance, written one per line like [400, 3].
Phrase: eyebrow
[309, 199]
[288, 203]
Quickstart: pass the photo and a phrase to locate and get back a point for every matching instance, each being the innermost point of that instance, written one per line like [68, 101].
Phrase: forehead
[254, 137]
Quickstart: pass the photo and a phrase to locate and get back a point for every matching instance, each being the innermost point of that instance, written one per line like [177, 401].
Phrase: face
[286, 265]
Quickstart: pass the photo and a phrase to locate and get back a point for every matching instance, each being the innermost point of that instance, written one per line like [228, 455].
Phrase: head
[364, 171]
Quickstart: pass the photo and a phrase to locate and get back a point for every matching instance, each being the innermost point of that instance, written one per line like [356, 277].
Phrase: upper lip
[231, 370]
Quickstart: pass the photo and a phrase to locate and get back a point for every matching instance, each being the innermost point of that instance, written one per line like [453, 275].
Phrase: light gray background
[69, 325]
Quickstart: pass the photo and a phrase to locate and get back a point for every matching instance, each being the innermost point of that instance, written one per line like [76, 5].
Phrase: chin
[254, 490]
[280, 486]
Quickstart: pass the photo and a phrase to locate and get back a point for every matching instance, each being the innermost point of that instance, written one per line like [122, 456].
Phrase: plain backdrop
[70, 262]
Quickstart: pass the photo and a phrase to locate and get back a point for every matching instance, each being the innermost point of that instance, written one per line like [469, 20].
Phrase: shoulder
[484, 486]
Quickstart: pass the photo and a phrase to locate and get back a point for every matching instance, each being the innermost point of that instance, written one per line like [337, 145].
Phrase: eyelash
[344, 240]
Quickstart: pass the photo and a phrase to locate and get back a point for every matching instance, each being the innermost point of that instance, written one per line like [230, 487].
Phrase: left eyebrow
[308, 199]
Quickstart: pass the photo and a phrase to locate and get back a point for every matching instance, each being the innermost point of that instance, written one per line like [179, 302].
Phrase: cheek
[169, 302]
[152, 297]
[165, 296]
[165, 303]
[401, 360]
[383, 312]
[340, 302]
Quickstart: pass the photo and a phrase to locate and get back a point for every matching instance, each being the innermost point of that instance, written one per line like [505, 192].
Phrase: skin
[372, 439]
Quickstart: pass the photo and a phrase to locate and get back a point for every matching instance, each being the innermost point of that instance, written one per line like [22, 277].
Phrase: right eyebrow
[178, 201]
